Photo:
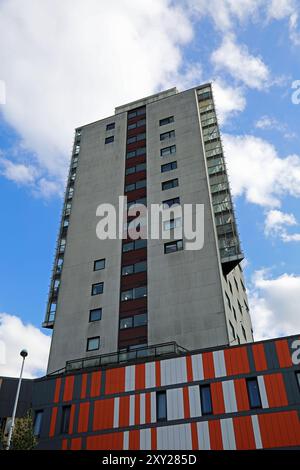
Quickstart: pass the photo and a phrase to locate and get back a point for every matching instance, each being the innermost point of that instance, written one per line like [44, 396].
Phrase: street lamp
[24, 354]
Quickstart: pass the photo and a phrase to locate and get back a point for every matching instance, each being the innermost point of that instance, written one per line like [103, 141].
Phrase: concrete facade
[187, 291]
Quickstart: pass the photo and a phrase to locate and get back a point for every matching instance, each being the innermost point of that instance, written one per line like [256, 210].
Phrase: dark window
[109, 139]
[240, 308]
[134, 245]
[95, 314]
[167, 120]
[126, 323]
[205, 398]
[167, 135]
[298, 378]
[171, 202]
[232, 329]
[161, 406]
[136, 138]
[172, 247]
[136, 169]
[142, 200]
[230, 286]
[243, 286]
[65, 419]
[140, 320]
[168, 167]
[140, 123]
[136, 153]
[253, 393]
[133, 186]
[136, 293]
[169, 184]
[136, 112]
[134, 268]
[236, 284]
[228, 300]
[93, 343]
[244, 333]
[246, 306]
[97, 288]
[234, 313]
[110, 126]
[38, 422]
[168, 151]
[99, 264]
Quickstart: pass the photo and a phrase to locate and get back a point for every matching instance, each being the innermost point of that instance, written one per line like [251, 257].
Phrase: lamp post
[24, 354]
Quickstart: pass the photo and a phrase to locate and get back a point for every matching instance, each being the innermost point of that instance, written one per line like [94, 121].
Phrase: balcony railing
[121, 357]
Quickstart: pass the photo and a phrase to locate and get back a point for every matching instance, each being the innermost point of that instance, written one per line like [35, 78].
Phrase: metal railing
[121, 357]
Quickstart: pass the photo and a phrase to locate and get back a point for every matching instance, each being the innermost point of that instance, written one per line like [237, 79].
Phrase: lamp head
[24, 353]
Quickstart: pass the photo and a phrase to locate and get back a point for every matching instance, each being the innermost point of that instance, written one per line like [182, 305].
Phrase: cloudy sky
[66, 63]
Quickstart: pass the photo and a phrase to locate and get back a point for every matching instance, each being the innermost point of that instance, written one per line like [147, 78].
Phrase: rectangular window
[205, 399]
[171, 202]
[172, 247]
[236, 284]
[232, 330]
[136, 112]
[93, 343]
[135, 169]
[136, 138]
[167, 120]
[126, 323]
[234, 313]
[244, 333]
[243, 286]
[228, 300]
[134, 268]
[133, 186]
[65, 419]
[168, 167]
[240, 308]
[169, 184]
[134, 245]
[97, 288]
[99, 264]
[140, 123]
[161, 406]
[132, 294]
[168, 151]
[136, 153]
[38, 422]
[253, 393]
[167, 135]
[109, 139]
[230, 286]
[95, 314]
[140, 320]
[110, 127]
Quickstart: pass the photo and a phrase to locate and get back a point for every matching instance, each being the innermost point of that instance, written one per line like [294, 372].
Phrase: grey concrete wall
[100, 179]
[185, 301]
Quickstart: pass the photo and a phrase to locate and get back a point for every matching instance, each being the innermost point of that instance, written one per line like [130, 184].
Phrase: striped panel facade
[116, 408]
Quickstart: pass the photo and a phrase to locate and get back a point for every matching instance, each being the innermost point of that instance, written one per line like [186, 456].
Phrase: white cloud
[68, 63]
[276, 223]
[229, 100]
[258, 172]
[274, 305]
[236, 59]
[15, 336]
[270, 123]
[19, 173]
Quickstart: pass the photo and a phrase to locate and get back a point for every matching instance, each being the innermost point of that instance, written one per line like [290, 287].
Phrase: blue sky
[62, 67]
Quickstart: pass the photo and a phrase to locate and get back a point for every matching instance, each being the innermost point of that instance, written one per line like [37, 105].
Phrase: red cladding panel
[105, 442]
[53, 421]
[57, 390]
[83, 420]
[208, 365]
[76, 443]
[140, 377]
[215, 433]
[217, 398]
[283, 353]
[259, 357]
[103, 414]
[241, 394]
[72, 416]
[275, 390]
[124, 411]
[95, 384]
[236, 360]
[68, 390]
[244, 435]
[115, 380]
[83, 386]
[134, 440]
